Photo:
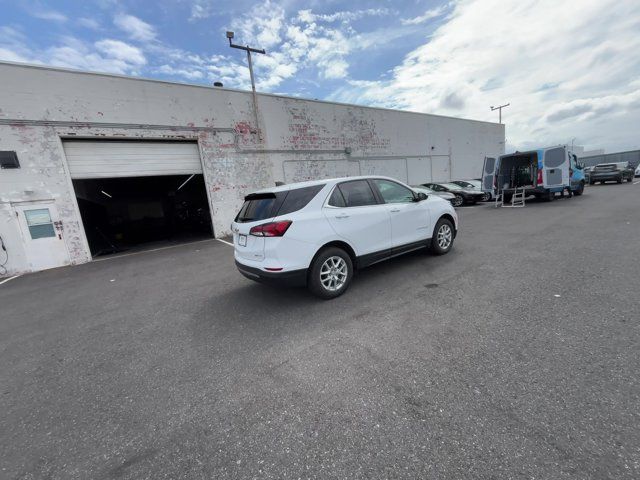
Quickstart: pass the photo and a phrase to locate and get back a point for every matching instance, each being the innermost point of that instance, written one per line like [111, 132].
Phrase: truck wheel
[549, 196]
[630, 179]
[580, 189]
[619, 180]
[443, 235]
[506, 198]
[330, 273]
[591, 182]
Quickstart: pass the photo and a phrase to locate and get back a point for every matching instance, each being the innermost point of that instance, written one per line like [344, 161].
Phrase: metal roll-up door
[113, 159]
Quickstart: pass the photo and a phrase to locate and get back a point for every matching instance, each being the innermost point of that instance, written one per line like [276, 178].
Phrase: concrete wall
[296, 140]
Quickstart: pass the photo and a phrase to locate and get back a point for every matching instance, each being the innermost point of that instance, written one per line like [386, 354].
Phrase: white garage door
[106, 159]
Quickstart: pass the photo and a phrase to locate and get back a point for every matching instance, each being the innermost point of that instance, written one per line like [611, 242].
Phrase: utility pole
[253, 83]
[499, 108]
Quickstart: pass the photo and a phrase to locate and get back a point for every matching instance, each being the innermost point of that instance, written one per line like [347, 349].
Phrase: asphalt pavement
[514, 356]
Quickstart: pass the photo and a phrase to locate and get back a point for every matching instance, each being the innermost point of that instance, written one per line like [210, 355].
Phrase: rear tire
[506, 198]
[580, 189]
[443, 236]
[456, 202]
[330, 273]
[630, 179]
[619, 180]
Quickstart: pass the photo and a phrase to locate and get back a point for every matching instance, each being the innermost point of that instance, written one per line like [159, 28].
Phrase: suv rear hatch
[257, 208]
[261, 208]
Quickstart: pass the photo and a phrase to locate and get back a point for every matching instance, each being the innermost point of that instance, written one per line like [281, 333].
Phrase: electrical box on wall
[9, 159]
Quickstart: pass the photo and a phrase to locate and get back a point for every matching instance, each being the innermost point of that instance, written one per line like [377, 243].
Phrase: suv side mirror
[420, 197]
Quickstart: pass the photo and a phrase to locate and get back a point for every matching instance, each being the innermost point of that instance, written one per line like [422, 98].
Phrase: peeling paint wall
[297, 140]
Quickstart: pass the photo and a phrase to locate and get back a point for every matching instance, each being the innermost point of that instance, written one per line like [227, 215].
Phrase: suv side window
[393, 192]
[298, 199]
[336, 199]
[357, 193]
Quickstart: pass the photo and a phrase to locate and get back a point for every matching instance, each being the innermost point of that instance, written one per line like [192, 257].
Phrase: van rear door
[555, 167]
[488, 174]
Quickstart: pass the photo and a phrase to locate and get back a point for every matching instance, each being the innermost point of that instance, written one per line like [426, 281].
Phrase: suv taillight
[273, 229]
[540, 182]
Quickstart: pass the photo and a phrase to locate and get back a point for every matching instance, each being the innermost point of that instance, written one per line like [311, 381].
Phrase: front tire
[330, 273]
[580, 189]
[443, 235]
[457, 201]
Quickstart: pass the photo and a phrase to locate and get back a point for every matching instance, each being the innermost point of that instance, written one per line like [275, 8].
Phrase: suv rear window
[262, 206]
[257, 206]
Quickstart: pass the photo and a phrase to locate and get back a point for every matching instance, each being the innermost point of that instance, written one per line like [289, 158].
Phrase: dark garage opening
[121, 214]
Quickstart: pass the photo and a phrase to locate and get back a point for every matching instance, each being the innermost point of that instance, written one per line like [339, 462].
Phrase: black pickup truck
[611, 172]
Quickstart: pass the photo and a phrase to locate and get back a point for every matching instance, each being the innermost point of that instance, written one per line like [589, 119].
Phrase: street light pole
[253, 83]
[499, 108]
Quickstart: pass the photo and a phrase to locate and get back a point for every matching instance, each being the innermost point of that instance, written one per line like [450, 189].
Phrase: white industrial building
[95, 164]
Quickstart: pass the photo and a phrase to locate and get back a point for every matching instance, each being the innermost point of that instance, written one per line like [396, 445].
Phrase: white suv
[317, 233]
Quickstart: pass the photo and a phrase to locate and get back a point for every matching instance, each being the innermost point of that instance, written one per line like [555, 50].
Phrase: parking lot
[514, 356]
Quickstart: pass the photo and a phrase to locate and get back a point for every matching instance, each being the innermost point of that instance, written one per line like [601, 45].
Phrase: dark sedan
[469, 196]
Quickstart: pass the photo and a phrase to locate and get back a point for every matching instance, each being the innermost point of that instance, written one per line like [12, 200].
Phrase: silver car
[455, 200]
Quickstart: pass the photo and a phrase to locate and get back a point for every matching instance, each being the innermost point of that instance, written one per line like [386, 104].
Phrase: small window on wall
[39, 223]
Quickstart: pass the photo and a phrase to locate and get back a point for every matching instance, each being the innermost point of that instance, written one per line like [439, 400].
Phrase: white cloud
[308, 16]
[426, 16]
[9, 55]
[51, 15]
[567, 71]
[201, 9]
[121, 51]
[180, 72]
[134, 27]
[111, 56]
[262, 26]
[89, 23]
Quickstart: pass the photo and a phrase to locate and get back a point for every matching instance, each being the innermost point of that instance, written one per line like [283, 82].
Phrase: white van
[541, 172]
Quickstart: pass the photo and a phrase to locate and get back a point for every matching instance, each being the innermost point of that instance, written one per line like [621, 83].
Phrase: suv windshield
[451, 186]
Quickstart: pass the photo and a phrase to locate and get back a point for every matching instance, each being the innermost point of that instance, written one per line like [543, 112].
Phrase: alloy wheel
[445, 236]
[333, 273]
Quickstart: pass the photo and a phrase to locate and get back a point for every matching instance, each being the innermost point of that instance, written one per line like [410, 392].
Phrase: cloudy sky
[570, 69]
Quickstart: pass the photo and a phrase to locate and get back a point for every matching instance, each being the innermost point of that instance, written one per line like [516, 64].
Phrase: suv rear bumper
[293, 278]
[605, 177]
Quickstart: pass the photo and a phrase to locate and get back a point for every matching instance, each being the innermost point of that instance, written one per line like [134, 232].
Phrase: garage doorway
[135, 195]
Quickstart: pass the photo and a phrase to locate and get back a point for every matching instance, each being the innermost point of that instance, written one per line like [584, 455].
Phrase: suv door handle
[395, 210]
[342, 215]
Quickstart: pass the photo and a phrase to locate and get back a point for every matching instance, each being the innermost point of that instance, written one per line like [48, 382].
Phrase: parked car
[637, 174]
[455, 200]
[317, 233]
[587, 173]
[468, 195]
[474, 185]
[611, 172]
